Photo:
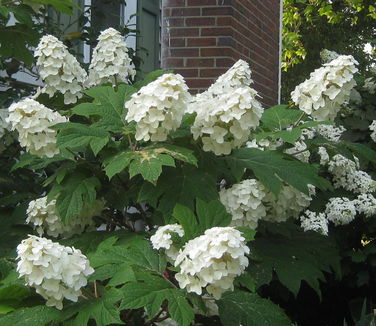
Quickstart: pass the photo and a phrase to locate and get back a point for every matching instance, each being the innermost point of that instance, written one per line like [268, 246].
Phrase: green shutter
[148, 25]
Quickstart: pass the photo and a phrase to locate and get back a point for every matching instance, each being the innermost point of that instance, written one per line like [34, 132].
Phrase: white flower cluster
[4, 124]
[227, 111]
[244, 202]
[110, 62]
[290, 202]
[365, 204]
[59, 69]
[311, 221]
[55, 271]
[370, 85]
[372, 127]
[324, 156]
[340, 210]
[32, 121]
[328, 87]
[331, 132]
[44, 218]
[158, 107]
[212, 260]
[346, 174]
[162, 239]
[239, 75]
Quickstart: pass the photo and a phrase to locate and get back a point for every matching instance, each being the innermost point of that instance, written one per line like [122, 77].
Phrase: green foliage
[38, 315]
[272, 168]
[294, 257]
[249, 309]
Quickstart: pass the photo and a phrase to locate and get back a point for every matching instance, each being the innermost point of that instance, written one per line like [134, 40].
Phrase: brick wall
[201, 39]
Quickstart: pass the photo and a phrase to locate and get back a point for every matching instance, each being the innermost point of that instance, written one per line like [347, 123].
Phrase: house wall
[201, 39]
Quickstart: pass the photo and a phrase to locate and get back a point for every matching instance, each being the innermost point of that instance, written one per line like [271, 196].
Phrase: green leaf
[279, 117]
[187, 220]
[211, 214]
[295, 256]
[272, 168]
[361, 150]
[39, 315]
[64, 6]
[149, 161]
[181, 185]
[249, 309]
[76, 135]
[289, 136]
[152, 293]
[34, 162]
[103, 310]
[108, 105]
[73, 193]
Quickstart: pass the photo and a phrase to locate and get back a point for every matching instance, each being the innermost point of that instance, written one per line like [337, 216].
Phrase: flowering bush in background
[173, 209]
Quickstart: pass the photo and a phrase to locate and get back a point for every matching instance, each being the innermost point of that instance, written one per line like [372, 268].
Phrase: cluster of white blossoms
[244, 202]
[4, 124]
[264, 144]
[158, 107]
[55, 271]
[59, 69]
[328, 88]
[331, 132]
[32, 121]
[45, 219]
[346, 174]
[372, 127]
[290, 202]
[162, 239]
[212, 261]
[340, 210]
[311, 221]
[227, 112]
[365, 204]
[110, 62]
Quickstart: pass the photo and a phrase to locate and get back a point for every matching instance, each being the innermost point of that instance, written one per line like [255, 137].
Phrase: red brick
[199, 83]
[216, 52]
[173, 62]
[179, 22]
[224, 21]
[211, 72]
[176, 32]
[217, 11]
[187, 72]
[206, 21]
[184, 12]
[185, 52]
[176, 42]
[201, 62]
[218, 31]
[224, 62]
[203, 41]
[201, 2]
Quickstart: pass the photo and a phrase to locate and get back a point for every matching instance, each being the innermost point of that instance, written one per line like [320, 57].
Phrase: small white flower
[158, 107]
[331, 132]
[340, 210]
[312, 221]
[370, 85]
[110, 63]
[365, 204]
[59, 69]
[55, 271]
[32, 121]
[212, 261]
[244, 202]
[4, 124]
[372, 127]
[162, 239]
[328, 88]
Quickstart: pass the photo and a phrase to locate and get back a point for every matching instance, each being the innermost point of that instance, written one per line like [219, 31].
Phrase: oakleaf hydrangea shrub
[159, 207]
